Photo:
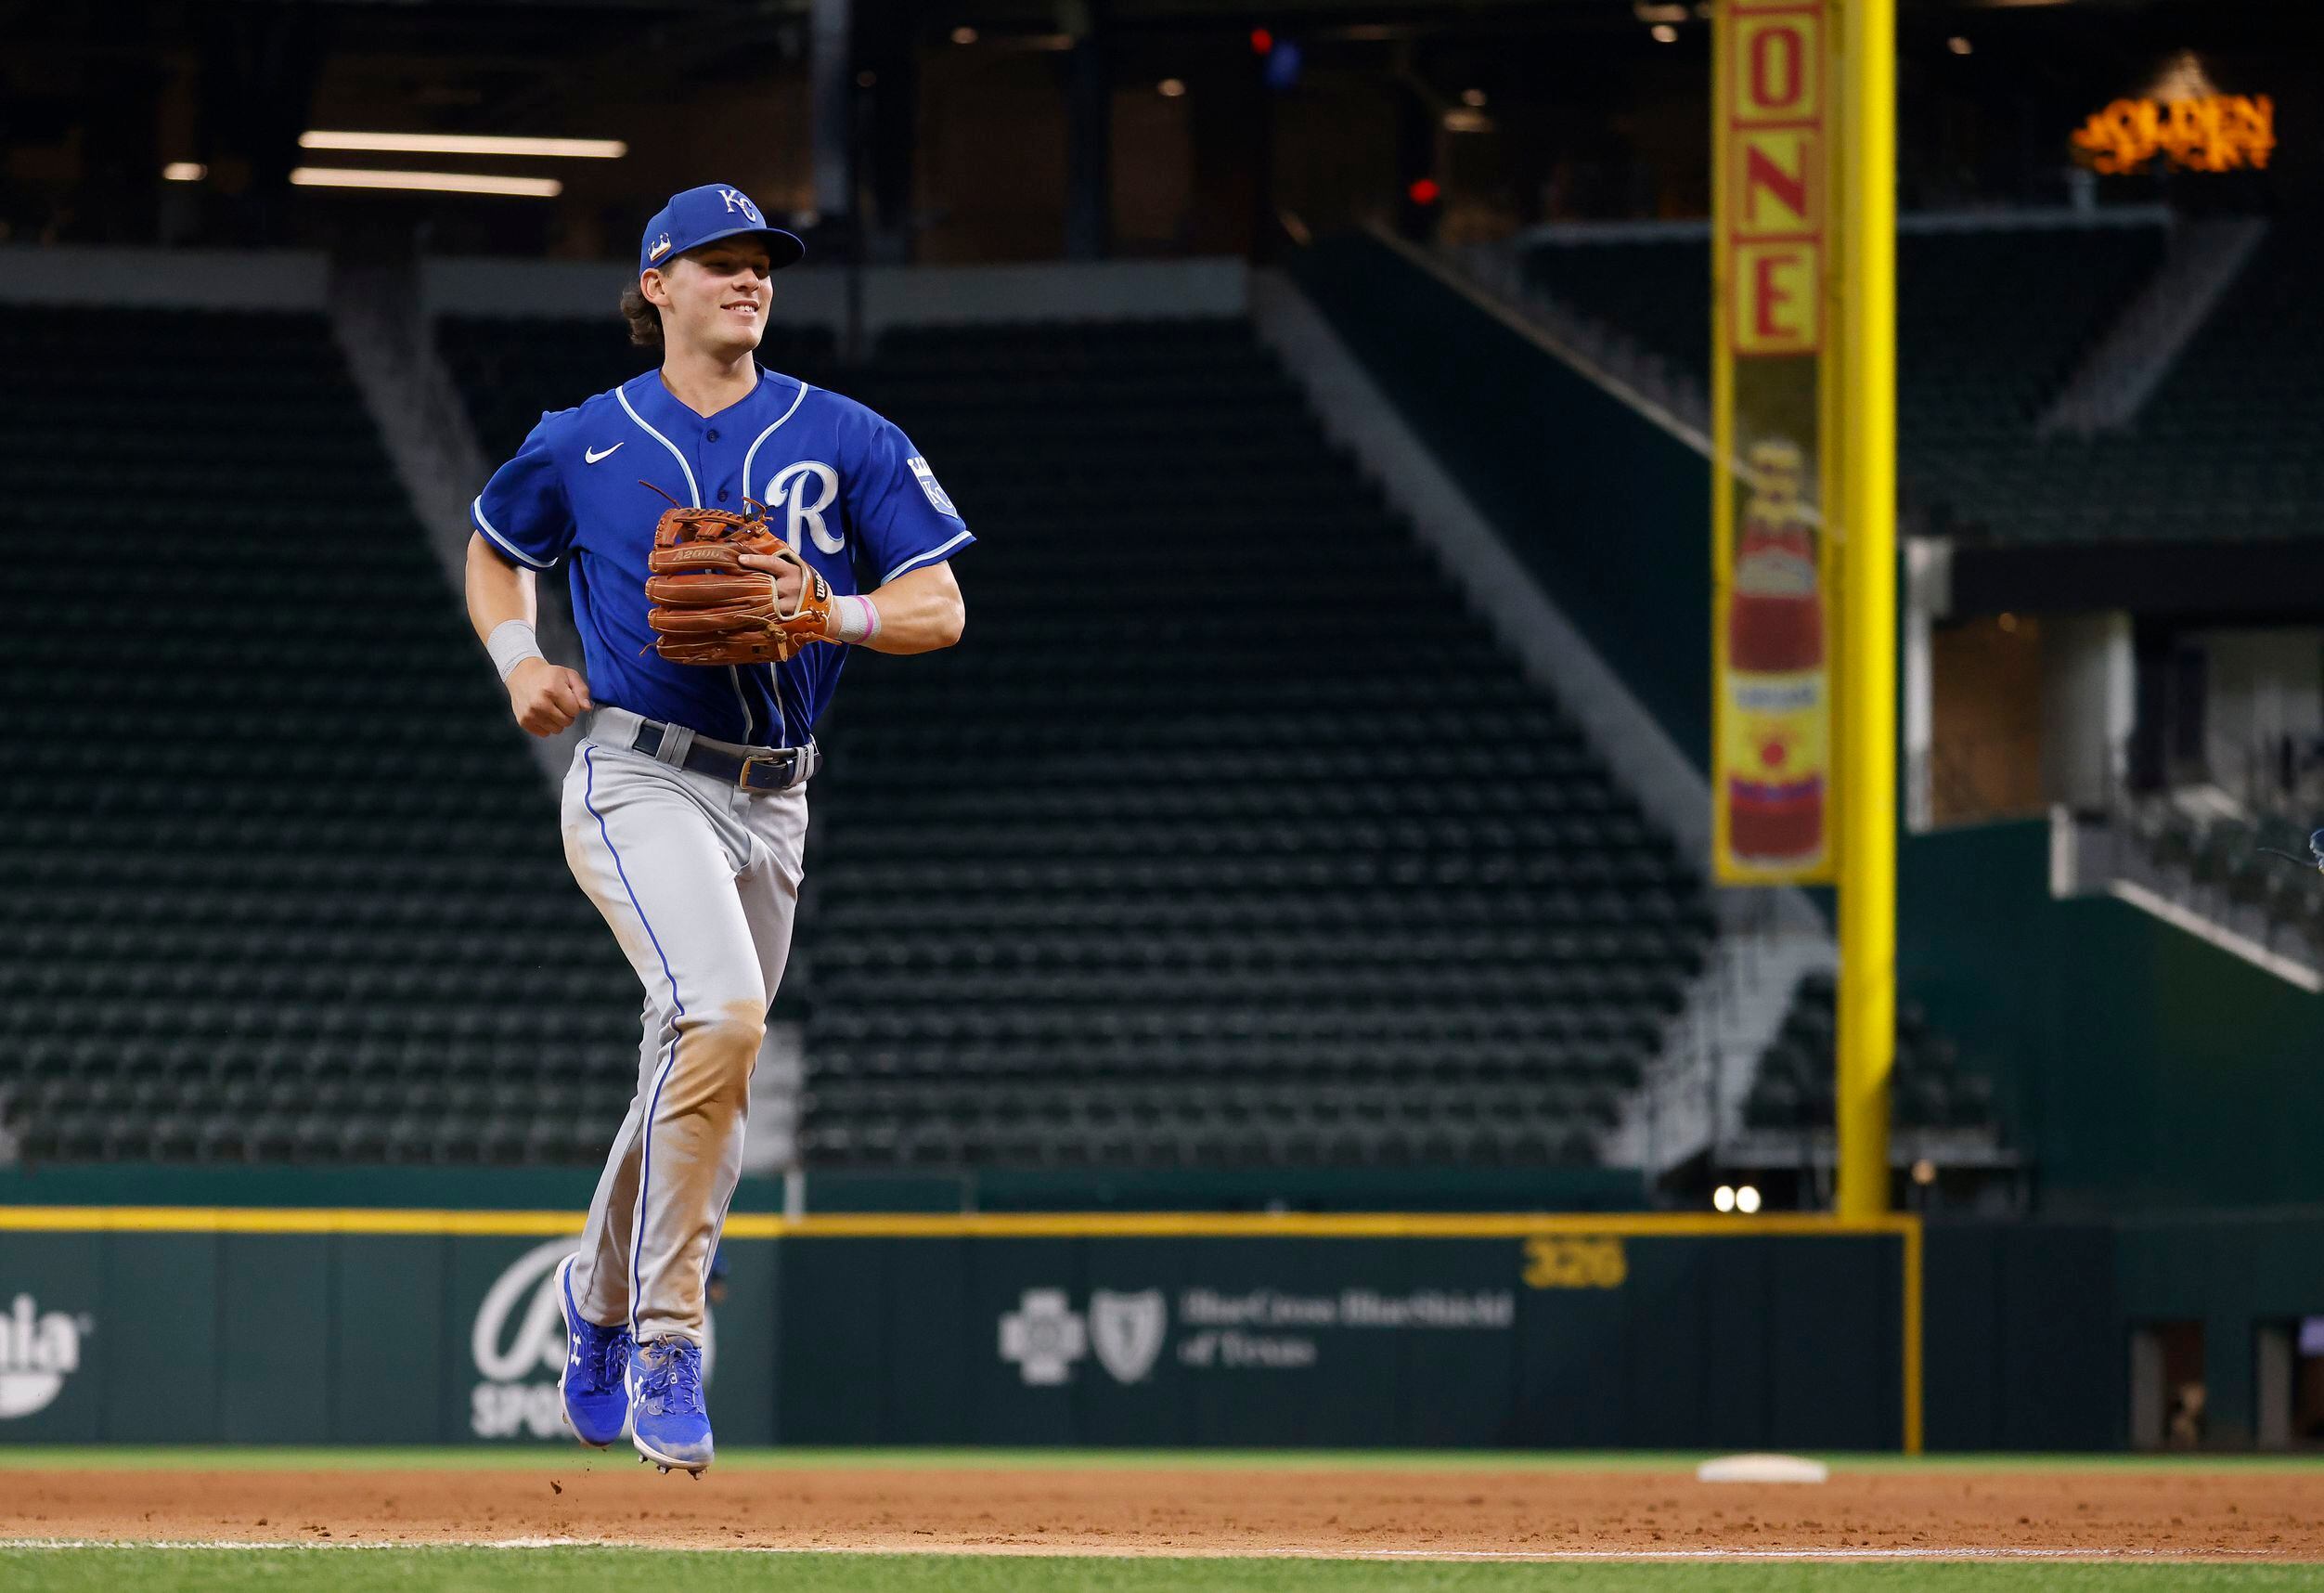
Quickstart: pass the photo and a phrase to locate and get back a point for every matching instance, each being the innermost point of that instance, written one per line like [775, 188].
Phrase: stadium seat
[1792, 1084]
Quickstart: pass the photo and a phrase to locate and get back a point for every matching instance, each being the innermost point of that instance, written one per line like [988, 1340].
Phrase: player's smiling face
[715, 297]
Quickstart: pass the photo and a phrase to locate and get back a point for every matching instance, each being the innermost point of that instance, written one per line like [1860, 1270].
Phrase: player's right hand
[547, 698]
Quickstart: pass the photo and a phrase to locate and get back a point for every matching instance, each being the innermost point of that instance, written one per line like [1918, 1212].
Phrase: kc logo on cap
[707, 214]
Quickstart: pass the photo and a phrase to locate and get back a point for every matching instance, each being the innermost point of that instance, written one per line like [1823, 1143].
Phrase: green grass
[588, 1571]
[560, 1456]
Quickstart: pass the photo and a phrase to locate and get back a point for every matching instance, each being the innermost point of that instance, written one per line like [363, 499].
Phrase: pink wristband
[858, 618]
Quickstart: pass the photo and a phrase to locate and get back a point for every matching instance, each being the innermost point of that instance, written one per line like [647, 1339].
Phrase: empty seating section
[1213, 844]
[2240, 871]
[1930, 1089]
[1989, 324]
[1225, 839]
[1206, 848]
[2227, 447]
[281, 882]
[1989, 328]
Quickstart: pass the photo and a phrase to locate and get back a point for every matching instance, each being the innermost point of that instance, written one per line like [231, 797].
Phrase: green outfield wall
[392, 1325]
[2142, 1070]
[204, 1325]
[1566, 1338]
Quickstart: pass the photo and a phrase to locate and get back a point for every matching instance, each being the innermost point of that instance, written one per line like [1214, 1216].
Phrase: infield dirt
[2208, 1514]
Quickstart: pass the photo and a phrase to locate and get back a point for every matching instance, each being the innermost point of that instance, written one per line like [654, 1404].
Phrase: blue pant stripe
[662, 1074]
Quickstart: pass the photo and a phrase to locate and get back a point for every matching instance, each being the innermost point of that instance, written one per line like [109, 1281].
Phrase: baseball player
[685, 809]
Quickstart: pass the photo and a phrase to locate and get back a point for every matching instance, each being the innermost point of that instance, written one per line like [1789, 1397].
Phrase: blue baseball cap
[706, 214]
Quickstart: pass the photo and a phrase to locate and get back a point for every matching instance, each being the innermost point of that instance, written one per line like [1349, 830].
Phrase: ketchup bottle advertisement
[1778, 716]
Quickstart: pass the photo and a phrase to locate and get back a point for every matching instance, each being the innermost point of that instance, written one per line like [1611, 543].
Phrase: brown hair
[644, 318]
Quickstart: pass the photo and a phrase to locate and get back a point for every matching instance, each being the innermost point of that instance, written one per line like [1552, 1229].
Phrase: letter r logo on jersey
[735, 200]
[803, 491]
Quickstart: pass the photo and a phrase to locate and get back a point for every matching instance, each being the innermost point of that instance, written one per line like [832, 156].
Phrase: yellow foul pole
[1864, 32]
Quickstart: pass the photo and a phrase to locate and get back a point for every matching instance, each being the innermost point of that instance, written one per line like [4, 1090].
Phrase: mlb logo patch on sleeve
[928, 485]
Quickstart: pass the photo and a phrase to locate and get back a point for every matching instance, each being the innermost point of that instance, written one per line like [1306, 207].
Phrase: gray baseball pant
[700, 883]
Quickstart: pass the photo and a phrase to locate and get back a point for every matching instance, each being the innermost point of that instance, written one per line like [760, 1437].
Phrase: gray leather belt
[759, 769]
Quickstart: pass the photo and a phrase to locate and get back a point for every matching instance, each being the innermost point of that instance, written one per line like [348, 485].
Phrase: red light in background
[1424, 191]
[1262, 41]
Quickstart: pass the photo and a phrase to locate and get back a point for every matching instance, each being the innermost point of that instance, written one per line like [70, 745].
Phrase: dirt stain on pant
[693, 1156]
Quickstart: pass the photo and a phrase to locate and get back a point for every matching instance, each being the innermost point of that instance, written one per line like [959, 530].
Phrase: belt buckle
[788, 761]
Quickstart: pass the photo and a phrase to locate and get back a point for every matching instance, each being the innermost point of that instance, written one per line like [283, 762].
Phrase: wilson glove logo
[38, 1351]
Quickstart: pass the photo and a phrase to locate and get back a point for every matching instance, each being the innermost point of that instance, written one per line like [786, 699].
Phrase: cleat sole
[667, 1462]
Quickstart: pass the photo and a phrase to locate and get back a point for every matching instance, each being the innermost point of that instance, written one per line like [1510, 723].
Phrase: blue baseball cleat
[666, 1421]
[596, 1401]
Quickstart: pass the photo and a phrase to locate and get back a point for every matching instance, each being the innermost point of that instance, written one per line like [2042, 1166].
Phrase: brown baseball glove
[709, 609]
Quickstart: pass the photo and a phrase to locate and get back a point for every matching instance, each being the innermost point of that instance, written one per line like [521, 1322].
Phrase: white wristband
[858, 618]
[510, 643]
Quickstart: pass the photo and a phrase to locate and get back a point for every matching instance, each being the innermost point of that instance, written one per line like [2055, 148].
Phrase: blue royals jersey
[845, 487]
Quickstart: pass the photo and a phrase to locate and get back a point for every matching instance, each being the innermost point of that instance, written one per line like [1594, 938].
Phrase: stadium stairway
[281, 884]
[1213, 846]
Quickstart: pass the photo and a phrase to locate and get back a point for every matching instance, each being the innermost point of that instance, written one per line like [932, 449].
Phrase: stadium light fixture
[426, 182]
[184, 172]
[463, 144]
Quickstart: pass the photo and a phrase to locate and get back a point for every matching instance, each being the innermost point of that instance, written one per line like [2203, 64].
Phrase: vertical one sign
[1770, 565]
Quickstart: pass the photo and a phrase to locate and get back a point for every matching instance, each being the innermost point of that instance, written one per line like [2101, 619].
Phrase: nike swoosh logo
[590, 456]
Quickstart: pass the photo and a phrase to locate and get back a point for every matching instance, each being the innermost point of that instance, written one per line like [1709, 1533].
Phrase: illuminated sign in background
[2211, 133]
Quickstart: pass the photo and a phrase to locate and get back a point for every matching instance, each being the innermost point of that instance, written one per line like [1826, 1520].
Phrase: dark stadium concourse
[1132, 128]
